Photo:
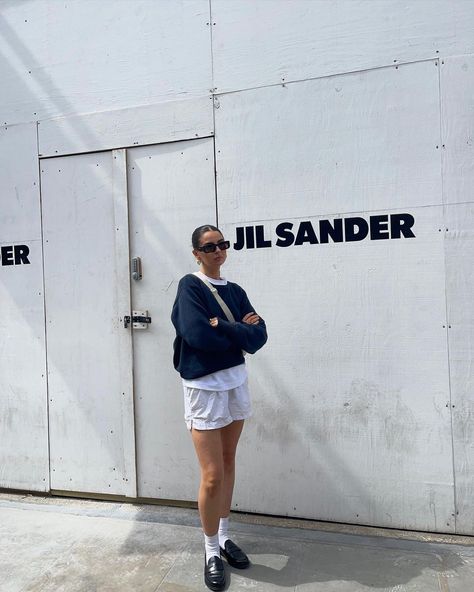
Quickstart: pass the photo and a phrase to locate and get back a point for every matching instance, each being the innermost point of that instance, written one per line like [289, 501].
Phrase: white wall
[321, 109]
[23, 397]
[86, 56]
[351, 390]
[268, 42]
[457, 90]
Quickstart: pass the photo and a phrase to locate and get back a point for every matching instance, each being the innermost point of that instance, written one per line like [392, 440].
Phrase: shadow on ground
[292, 558]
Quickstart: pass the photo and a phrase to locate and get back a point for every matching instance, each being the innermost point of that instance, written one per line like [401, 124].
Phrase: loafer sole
[215, 587]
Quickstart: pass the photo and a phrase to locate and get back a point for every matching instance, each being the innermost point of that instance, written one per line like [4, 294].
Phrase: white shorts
[211, 410]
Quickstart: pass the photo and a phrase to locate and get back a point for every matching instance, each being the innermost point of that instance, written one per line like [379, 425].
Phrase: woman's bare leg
[216, 451]
[229, 437]
[208, 445]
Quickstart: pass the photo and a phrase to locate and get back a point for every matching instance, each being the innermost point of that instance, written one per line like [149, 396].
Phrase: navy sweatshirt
[200, 349]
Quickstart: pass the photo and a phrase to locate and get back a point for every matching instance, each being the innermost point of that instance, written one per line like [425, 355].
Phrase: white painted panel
[351, 417]
[19, 183]
[88, 56]
[24, 456]
[460, 290]
[457, 108]
[457, 88]
[89, 350]
[171, 192]
[269, 41]
[24, 462]
[165, 122]
[355, 142]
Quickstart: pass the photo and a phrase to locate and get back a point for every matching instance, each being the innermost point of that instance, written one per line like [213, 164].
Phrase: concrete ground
[60, 544]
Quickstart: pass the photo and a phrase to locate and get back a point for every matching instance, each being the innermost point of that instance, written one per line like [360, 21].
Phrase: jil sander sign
[14, 255]
[337, 230]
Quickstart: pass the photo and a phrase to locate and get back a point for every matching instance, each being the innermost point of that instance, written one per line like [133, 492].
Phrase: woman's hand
[251, 318]
[214, 321]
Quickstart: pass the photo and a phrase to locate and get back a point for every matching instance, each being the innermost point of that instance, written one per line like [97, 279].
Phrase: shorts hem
[205, 426]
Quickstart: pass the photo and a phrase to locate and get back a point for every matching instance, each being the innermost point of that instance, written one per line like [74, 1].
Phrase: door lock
[139, 319]
[137, 268]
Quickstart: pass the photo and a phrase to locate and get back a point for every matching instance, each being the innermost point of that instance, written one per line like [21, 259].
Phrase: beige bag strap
[222, 304]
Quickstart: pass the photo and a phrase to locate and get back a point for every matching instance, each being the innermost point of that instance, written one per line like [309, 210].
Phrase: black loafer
[214, 574]
[234, 555]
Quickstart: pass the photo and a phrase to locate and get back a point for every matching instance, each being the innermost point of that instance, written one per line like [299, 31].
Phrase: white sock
[212, 546]
[223, 528]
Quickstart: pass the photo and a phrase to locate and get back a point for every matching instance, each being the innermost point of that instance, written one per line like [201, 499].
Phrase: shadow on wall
[17, 59]
[39, 79]
[23, 59]
[297, 445]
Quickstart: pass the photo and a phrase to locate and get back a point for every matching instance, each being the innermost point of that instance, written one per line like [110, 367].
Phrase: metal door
[89, 353]
[171, 192]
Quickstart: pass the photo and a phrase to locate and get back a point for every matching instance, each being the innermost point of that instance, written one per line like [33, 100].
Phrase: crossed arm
[251, 318]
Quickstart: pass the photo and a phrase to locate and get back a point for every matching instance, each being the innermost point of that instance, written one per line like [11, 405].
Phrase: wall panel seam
[126, 147]
[48, 427]
[342, 214]
[213, 112]
[326, 76]
[445, 207]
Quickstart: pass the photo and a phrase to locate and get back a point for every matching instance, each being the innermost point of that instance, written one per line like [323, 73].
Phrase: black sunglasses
[211, 247]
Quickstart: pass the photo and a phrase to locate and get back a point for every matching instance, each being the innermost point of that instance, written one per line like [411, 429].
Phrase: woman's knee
[212, 481]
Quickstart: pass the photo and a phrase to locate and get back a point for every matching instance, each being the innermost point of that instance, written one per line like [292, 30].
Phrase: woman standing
[209, 355]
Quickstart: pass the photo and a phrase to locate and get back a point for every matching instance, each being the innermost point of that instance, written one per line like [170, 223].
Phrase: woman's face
[216, 258]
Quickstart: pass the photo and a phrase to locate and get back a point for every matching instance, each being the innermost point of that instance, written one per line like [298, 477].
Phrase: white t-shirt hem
[222, 380]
